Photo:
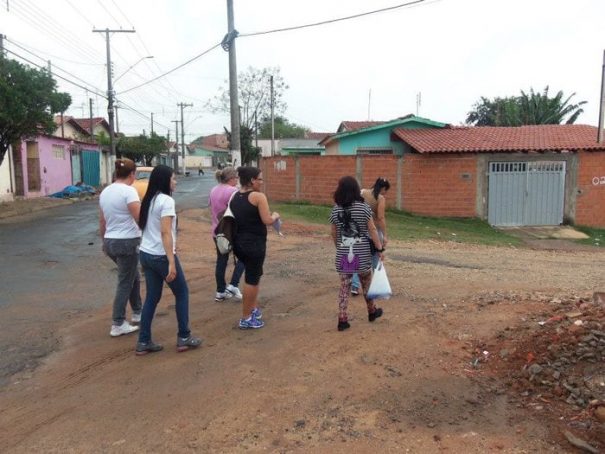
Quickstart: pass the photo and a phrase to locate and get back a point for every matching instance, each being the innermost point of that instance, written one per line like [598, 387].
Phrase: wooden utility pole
[602, 108]
[110, 93]
[175, 166]
[92, 129]
[182, 106]
[272, 121]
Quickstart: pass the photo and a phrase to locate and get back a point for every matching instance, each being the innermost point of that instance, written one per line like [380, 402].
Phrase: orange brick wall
[590, 199]
[381, 166]
[279, 178]
[434, 185]
[431, 184]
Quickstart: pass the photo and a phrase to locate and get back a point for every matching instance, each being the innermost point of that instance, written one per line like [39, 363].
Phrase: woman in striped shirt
[352, 230]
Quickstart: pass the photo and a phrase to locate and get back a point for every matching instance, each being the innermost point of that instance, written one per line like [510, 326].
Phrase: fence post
[399, 182]
[298, 176]
[359, 169]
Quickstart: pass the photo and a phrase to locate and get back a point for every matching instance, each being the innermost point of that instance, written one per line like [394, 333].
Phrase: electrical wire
[330, 21]
[174, 69]
[22, 45]
[44, 19]
[56, 75]
[54, 66]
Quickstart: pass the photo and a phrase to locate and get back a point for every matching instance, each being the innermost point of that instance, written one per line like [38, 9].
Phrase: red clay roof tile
[501, 139]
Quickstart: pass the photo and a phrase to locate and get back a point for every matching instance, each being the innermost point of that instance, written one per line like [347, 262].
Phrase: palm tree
[539, 109]
[527, 109]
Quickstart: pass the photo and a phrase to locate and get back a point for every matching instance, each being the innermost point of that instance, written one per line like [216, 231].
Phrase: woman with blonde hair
[220, 195]
[119, 208]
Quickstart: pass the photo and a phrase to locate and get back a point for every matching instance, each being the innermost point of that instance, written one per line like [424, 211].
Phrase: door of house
[91, 167]
[18, 164]
[526, 193]
[76, 167]
[33, 166]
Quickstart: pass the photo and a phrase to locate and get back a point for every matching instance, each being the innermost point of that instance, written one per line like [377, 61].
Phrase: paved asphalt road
[53, 268]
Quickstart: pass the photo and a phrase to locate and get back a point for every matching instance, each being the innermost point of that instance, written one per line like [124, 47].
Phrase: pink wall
[55, 173]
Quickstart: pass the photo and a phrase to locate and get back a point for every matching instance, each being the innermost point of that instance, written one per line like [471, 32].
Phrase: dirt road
[406, 383]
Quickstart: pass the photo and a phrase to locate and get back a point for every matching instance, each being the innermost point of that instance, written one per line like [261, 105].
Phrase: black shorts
[251, 251]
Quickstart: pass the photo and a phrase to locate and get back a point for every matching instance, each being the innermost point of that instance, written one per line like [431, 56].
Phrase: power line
[56, 75]
[44, 19]
[330, 21]
[173, 69]
[22, 45]
[55, 66]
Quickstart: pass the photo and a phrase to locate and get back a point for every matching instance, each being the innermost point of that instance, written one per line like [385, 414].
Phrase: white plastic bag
[380, 287]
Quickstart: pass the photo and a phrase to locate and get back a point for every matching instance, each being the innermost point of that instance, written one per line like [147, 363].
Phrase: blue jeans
[155, 268]
[222, 260]
[375, 259]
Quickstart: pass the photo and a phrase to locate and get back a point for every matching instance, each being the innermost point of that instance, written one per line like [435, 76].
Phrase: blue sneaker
[256, 312]
[250, 323]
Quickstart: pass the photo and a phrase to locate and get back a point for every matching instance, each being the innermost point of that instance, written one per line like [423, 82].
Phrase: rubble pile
[554, 362]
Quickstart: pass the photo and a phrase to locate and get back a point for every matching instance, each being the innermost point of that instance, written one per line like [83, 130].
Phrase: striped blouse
[359, 244]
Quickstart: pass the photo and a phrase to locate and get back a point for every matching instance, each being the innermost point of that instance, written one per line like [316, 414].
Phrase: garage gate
[526, 193]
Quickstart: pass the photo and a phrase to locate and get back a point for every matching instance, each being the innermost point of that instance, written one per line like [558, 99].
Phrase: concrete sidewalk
[22, 207]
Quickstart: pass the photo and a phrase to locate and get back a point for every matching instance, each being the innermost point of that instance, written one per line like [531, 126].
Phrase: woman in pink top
[219, 197]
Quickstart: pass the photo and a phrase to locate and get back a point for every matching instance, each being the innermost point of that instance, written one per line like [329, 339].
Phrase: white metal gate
[526, 193]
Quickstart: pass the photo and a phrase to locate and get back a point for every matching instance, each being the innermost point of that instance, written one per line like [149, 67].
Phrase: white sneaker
[136, 318]
[124, 328]
[234, 291]
[222, 296]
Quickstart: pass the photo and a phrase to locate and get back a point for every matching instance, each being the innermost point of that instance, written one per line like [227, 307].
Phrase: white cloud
[453, 51]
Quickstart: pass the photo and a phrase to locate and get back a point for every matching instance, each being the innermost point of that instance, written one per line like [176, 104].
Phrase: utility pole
[255, 130]
[110, 94]
[182, 106]
[151, 124]
[602, 109]
[272, 122]
[2, 46]
[176, 155]
[92, 131]
[228, 44]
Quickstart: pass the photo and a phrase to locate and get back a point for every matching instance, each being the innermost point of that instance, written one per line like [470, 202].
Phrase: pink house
[44, 165]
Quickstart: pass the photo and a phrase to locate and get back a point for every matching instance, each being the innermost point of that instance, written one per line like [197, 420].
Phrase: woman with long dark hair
[352, 230]
[119, 208]
[252, 216]
[375, 197]
[160, 262]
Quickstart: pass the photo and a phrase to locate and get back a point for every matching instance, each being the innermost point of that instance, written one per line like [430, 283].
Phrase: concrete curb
[28, 206]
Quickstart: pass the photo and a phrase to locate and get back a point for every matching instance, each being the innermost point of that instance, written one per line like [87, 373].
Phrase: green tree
[283, 129]
[142, 148]
[249, 151]
[28, 101]
[526, 109]
[254, 95]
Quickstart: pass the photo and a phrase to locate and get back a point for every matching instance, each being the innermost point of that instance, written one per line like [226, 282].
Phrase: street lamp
[131, 66]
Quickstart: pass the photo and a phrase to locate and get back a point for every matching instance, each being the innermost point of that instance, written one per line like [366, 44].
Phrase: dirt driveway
[413, 381]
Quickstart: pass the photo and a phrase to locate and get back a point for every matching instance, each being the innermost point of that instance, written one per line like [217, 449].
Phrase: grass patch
[596, 237]
[409, 227]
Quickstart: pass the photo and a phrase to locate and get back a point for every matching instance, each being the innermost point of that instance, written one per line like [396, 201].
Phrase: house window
[374, 150]
[58, 151]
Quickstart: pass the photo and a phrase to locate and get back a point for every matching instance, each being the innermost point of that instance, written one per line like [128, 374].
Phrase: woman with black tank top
[252, 216]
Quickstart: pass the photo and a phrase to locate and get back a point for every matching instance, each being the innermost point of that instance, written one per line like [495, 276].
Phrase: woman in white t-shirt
[118, 216]
[160, 262]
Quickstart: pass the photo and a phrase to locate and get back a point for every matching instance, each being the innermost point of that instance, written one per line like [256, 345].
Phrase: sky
[448, 53]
